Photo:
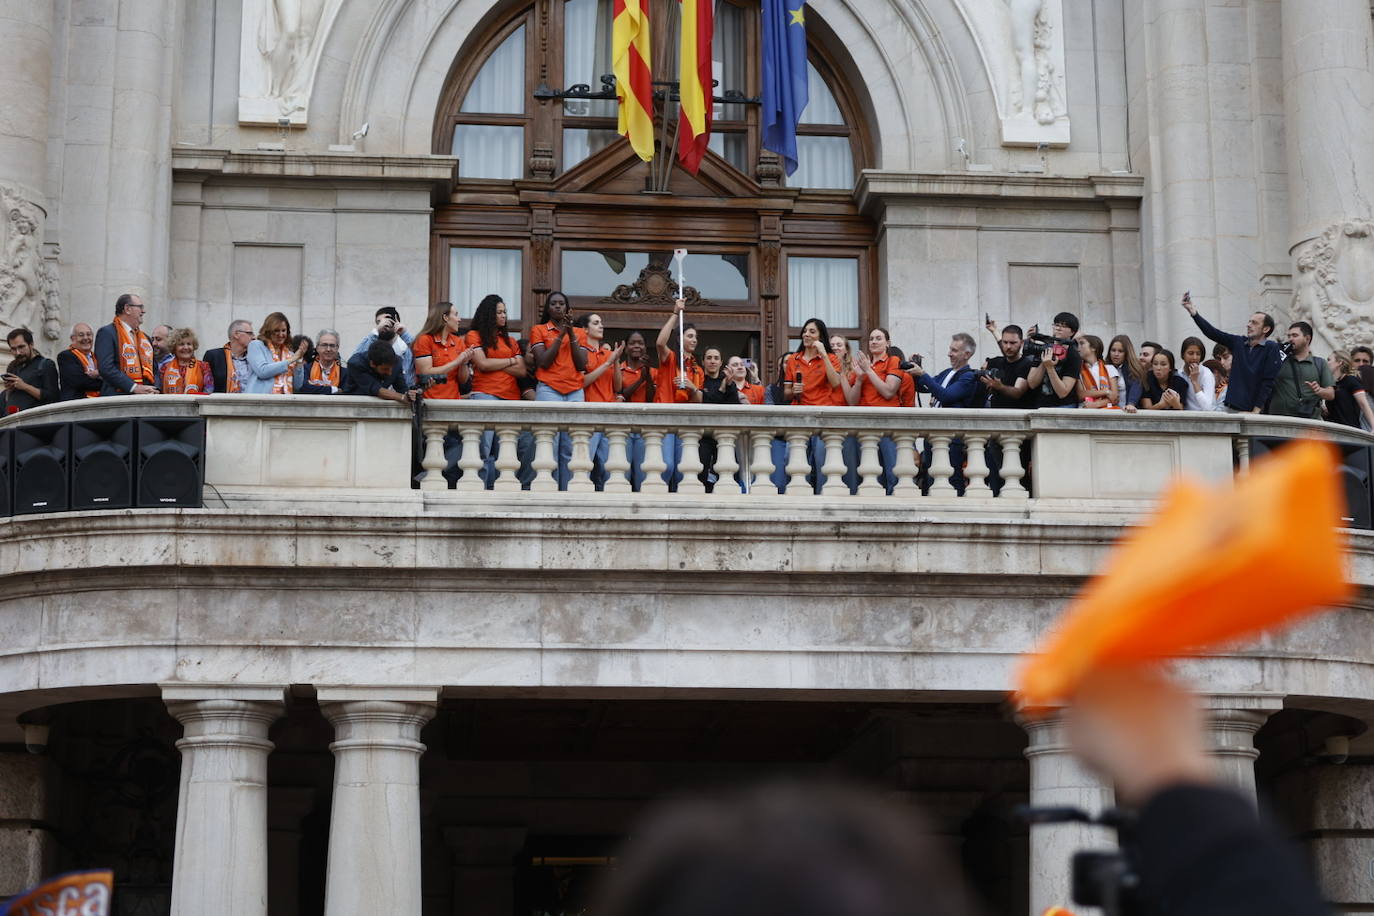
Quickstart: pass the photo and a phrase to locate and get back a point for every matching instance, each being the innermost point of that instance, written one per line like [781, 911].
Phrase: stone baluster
[940, 468]
[434, 461]
[617, 462]
[870, 468]
[1058, 779]
[1243, 454]
[761, 466]
[833, 466]
[654, 465]
[976, 470]
[545, 463]
[580, 465]
[797, 465]
[906, 469]
[727, 463]
[219, 864]
[471, 462]
[690, 466]
[507, 460]
[1012, 472]
[374, 827]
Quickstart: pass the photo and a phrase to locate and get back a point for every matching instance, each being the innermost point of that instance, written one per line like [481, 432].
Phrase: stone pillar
[1339, 823]
[220, 859]
[374, 828]
[1058, 779]
[1328, 102]
[26, 846]
[1231, 726]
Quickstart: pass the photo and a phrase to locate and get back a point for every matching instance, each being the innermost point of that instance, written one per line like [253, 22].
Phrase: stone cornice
[877, 187]
[439, 172]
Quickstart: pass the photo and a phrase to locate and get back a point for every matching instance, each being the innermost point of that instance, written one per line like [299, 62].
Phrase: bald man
[158, 337]
[77, 371]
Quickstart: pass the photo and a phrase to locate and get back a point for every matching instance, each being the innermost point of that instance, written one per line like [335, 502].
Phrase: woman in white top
[1101, 380]
[1202, 384]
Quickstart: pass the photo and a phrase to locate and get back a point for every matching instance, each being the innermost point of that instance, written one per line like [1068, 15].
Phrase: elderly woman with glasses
[271, 361]
[326, 372]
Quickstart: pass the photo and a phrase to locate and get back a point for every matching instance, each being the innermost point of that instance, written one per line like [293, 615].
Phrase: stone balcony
[314, 561]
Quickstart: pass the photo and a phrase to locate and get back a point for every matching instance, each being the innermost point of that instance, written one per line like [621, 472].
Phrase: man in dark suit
[123, 352]
[222, 359]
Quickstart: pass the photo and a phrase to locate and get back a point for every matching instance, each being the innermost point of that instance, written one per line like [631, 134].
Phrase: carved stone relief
[1022, 44]
[654, 286]
[1333, 284]
[279, 51]
[28, 284]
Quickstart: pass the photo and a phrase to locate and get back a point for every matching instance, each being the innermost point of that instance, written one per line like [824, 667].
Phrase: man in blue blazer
[123, 353]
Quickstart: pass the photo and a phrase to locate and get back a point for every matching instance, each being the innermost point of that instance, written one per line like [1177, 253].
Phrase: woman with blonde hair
[270, 358]
[1351, 403]
[1121, 353]
[184, 373]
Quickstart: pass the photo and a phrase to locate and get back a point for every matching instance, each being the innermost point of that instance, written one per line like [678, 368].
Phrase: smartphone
[987, 318]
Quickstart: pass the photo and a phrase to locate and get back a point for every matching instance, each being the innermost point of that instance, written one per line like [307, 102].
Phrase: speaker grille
[41, 484]
[169, 476]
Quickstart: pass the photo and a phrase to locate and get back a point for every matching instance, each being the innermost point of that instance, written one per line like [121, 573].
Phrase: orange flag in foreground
[85, 892]
[1214, 565]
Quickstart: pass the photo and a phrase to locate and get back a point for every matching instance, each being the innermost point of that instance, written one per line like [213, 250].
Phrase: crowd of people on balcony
[568, 358]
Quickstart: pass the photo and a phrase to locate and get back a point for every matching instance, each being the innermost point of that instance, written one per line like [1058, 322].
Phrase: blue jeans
[672, 457]
[543, 392]
[491, 450]
[815, 457]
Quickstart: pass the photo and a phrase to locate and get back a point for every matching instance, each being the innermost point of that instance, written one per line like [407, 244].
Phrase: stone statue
[286, 37]
[1033, 93]
[21, 282]
[1333, 284]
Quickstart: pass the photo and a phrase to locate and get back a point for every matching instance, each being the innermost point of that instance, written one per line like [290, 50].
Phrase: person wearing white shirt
[1202, 384]
[389, 320]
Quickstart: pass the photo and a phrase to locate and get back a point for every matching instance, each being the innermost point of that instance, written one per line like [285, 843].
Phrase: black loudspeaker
[1357, 478]
[170, 462]
[41, 467]
[5, 461]
[102, 464]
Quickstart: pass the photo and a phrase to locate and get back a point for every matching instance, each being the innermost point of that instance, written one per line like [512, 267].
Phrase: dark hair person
[1121, 353]
[812, 374]
[1165, 391]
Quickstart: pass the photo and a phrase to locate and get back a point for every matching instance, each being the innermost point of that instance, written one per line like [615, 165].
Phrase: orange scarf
[1099, 379]
[88, 362]
[231, 378]
[136, 356]
[330, 378]
[187, 380]
[282, 383]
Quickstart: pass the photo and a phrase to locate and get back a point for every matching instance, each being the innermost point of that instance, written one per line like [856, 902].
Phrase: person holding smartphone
[31, 378]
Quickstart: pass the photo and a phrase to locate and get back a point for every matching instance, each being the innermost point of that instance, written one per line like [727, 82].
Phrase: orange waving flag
[1214, 565]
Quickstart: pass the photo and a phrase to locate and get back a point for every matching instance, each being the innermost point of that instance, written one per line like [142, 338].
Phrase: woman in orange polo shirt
[813, 378]
[441, 353]
[598, 384]
[878, 383]
[559, 365]
[497, 368]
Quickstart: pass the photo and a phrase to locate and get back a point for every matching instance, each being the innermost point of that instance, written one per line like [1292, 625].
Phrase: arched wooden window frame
[524, 214]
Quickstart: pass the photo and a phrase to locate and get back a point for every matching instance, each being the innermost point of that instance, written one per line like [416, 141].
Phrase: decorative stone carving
[541, 161]
[28, 285]
[542, 249]
[768, 172]
[1333, 284]
[655, 286]
[770, 256]
[280, 44]
[1022, 45]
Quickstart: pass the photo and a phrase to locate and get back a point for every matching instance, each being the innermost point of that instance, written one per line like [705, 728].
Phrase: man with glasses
[1055, 376]
[229, 363]
[123, 353]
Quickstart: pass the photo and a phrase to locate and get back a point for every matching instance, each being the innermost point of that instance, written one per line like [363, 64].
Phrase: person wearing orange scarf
[123, 352]
[183, 373]
[271, 359]
[77, 370]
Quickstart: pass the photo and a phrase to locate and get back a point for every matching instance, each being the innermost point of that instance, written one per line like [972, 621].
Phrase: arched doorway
[550, 197]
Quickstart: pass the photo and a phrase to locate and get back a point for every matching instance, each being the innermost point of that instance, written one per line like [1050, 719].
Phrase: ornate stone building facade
[237, 700]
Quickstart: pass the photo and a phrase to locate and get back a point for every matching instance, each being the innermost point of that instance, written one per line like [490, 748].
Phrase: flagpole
[680, 255]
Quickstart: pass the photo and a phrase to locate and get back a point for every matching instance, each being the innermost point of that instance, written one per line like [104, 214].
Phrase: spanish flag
[633, 84]
[695, 87]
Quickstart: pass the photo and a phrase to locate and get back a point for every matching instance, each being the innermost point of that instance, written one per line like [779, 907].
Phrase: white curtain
[579, 143]
[489, 150]
[500, 85]
[822, 107]
[473, 273]
[823, 162]
[728, 59]
[824, 288]
[586, 56]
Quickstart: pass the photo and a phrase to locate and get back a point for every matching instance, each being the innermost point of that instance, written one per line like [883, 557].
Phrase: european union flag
[784, 77]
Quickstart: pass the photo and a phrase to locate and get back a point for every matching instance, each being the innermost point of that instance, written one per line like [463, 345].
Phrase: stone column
[374, 828]
[1231, 726]
[26, 846]
[220, 864]
[1339, 824]
[1058, 779]
[1328, 103]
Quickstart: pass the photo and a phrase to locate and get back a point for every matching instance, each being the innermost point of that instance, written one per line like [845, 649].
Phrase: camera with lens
[1286, 348]
[908, 365]
[1036, 345]
[1105, 878]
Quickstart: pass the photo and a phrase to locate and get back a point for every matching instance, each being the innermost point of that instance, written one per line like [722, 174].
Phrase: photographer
[390, 330]
[377, 374]
[956, 386]
[1006, 379]
[1054, 378]
[1255, 359]
[1304, 380]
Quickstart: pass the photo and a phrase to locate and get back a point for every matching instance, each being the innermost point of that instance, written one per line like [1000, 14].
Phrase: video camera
[1036, 345]
[1105, 878]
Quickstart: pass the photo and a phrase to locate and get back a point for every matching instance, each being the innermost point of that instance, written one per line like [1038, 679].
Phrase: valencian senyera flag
[784, 76]
[695, 89]
[633, 83]
[85, 892]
